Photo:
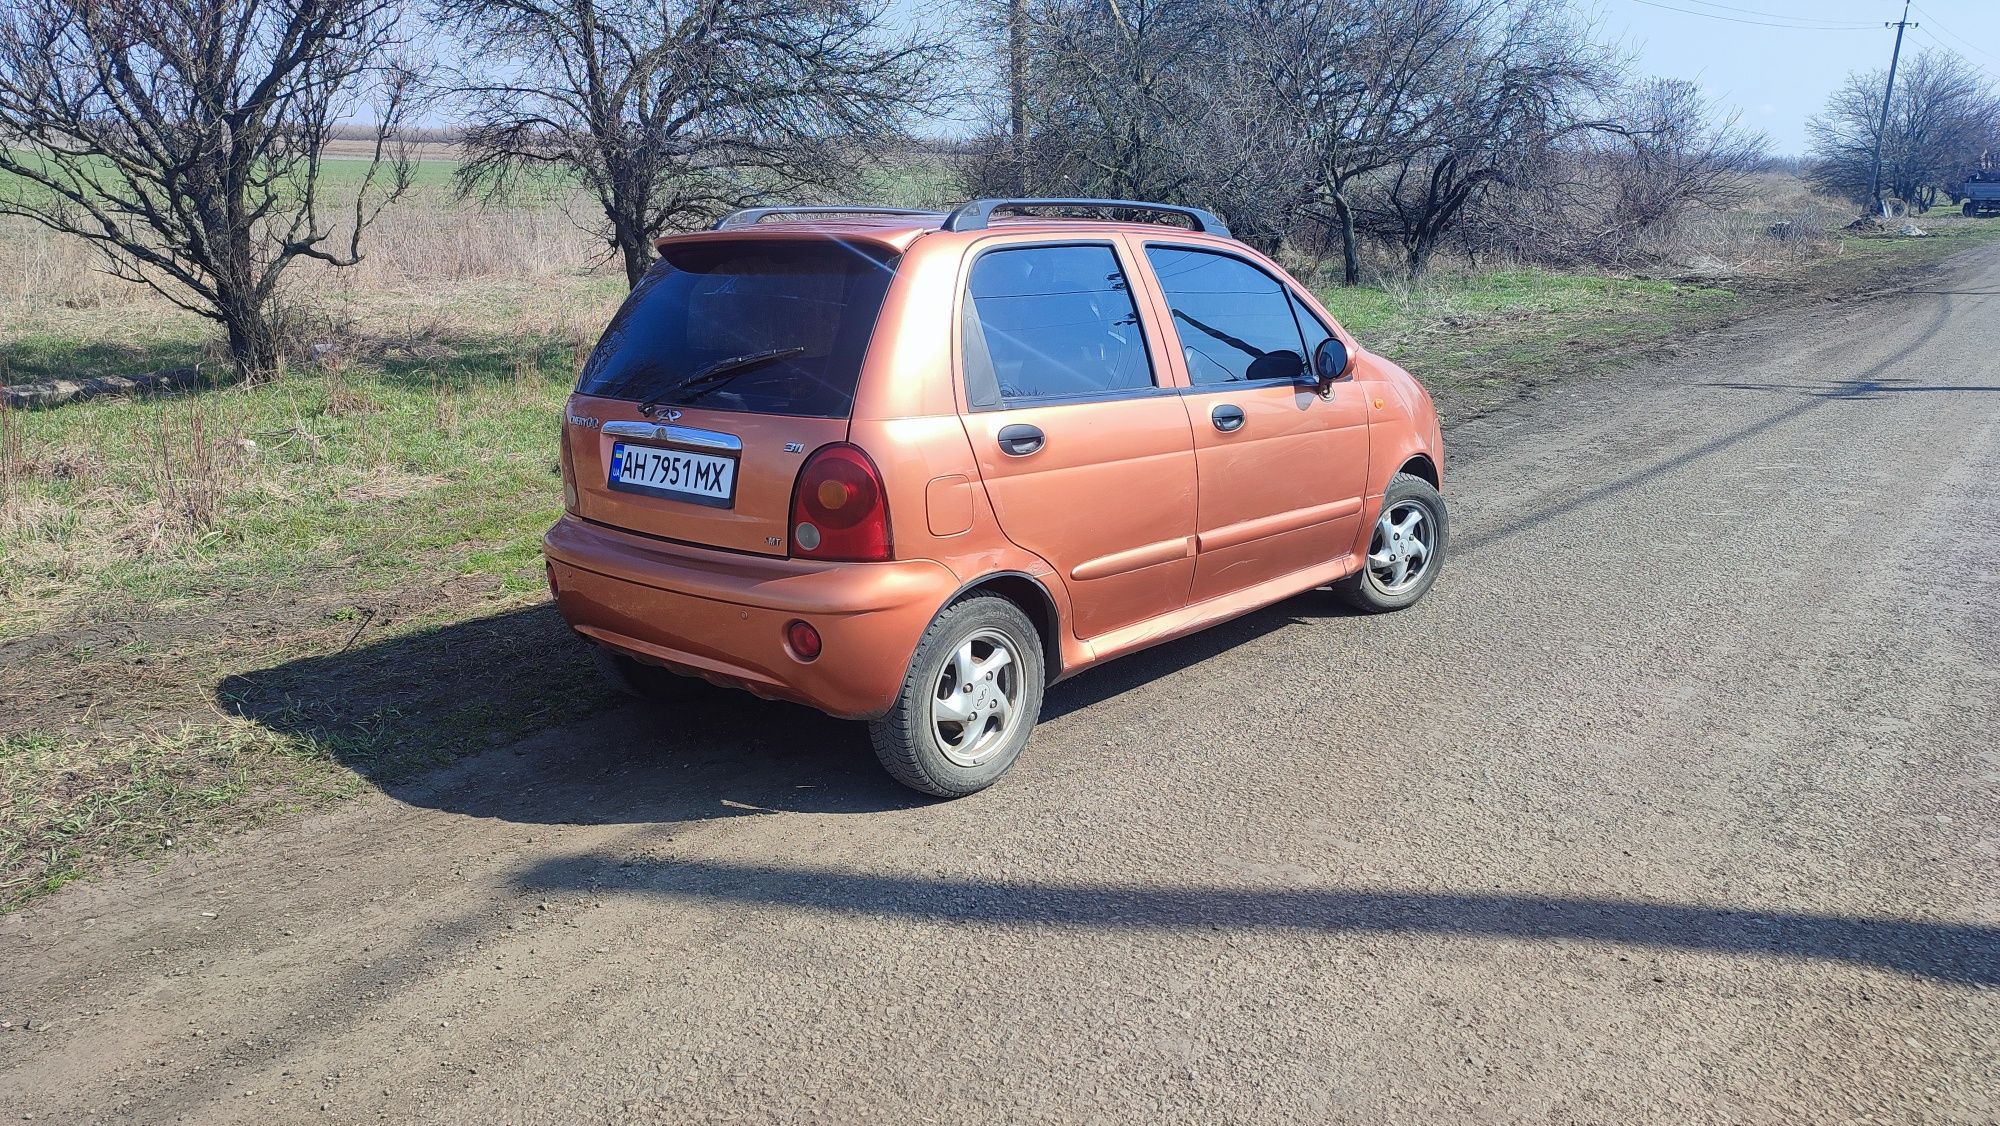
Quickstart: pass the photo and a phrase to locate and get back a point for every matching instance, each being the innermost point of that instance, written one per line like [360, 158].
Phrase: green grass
[311, 472]
[37, 357]
[341, 175]
[1474, 339]
[1863, 260]
[1498, 294]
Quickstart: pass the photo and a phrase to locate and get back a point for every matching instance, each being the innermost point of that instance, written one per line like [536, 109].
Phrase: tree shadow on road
[1862, 385]
[1952, 952]
[1853, 389]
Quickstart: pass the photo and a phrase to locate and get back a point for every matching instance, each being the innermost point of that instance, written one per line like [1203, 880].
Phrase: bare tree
[1611, 194]
[672, 111]
[186, 139]
[1525, 79]
[1140, 99]
[1941, 114]
[1108, 94]
[1353, 83]
[1673, 152]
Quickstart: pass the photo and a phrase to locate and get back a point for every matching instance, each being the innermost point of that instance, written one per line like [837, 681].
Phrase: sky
[1780, 75]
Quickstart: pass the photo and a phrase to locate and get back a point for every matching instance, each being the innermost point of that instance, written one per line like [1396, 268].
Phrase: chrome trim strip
[684, 435]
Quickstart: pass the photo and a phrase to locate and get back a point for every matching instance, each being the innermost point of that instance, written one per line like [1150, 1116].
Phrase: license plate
[698, 478]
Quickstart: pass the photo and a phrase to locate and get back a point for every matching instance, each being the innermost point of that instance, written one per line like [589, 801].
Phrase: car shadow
[1096, 685]
[505, 717]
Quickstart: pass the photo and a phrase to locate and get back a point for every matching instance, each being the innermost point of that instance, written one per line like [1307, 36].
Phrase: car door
[1082, 443]
[1280, 470]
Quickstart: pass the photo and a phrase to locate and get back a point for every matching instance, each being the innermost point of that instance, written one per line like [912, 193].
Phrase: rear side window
[1050, 322]
[769, 327]
[1236, 322]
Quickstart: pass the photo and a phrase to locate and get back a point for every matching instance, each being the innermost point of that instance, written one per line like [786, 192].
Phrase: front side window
[766, 326]
[1236, 322]
[1310, 326]
[1050, 322]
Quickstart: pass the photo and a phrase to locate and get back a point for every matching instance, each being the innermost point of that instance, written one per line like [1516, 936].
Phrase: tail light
[839, 509]
[568, 469]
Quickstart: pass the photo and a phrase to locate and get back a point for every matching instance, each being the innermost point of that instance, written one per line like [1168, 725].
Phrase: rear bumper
[722, 615]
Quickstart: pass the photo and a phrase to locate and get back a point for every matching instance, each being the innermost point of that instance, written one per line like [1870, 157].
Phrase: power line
[1955, 35]
[1957, 54]
[1754, 23]
[1787, 16]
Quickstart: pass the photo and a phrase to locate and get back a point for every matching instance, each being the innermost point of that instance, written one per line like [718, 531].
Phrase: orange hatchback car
[911, 467]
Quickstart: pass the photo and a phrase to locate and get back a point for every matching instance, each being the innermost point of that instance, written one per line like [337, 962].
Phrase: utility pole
[1017, 90]
[1882, 127]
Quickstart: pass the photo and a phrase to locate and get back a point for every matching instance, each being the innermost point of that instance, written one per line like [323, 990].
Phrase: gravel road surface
[1675, 802]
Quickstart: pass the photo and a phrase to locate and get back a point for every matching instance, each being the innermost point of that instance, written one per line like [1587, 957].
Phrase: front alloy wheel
[1405, 551]
[1404, 544]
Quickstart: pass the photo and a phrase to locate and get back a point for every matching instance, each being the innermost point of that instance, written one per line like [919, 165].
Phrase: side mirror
[1330, 363]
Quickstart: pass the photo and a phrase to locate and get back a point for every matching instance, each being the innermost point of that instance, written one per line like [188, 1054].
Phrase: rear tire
[968, 702]
[1405, 551]
[1970, 209]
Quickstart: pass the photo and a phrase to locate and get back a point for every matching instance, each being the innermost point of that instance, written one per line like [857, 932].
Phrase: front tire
[1405, 552]
[969, 701]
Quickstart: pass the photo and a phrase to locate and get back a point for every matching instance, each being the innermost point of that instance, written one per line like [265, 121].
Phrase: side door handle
[1227, 417]
[1018, 439]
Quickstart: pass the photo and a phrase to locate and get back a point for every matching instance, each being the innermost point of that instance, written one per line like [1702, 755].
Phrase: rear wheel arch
[1034, 599]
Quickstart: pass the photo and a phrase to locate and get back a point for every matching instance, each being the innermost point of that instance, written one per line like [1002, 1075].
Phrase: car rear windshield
[769, 327]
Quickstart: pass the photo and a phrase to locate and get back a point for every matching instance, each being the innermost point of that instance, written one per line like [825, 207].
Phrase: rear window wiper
[716, 374]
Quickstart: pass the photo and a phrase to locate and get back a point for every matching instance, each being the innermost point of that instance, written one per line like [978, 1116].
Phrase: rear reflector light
[839, 510]
[568, 469]
[551, 569]
[803, 639]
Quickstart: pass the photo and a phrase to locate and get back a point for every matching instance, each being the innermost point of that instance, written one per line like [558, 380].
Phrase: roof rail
[975, 216]
[751, 216]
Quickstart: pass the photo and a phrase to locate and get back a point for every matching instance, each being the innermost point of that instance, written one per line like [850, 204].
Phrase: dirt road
[1674, 803]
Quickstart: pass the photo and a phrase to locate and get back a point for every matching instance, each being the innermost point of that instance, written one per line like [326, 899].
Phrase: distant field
[433, 167]
[219, 607]
[912, 180]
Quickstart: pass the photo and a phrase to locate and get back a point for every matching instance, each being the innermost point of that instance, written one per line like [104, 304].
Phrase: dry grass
[13, 468]
[185, 471]
[437, 271]
[1781, 224]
